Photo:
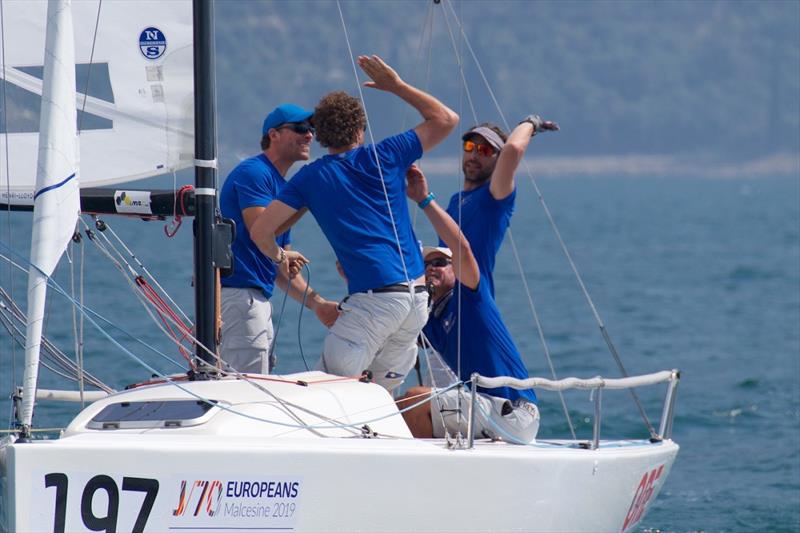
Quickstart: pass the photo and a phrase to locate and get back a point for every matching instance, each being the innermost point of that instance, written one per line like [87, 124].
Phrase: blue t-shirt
[255, 182]
[484, 222]
[346, 197]
[486, 344]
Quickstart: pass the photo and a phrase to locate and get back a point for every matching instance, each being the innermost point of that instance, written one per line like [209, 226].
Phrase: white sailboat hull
[231, 473]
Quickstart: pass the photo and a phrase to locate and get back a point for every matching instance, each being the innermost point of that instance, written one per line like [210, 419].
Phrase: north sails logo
[152, 43]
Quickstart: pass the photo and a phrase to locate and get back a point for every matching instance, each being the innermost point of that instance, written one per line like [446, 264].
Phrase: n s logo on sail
[152, 43]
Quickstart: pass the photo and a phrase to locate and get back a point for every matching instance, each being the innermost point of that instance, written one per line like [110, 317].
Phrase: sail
[134, 59]
[56, 198]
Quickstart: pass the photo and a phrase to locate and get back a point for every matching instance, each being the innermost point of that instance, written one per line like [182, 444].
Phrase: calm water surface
[693, 274]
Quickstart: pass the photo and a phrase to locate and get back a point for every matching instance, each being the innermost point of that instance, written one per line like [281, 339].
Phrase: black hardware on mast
[205, 286]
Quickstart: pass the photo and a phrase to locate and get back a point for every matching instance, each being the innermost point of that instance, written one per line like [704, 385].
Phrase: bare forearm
[263, 230]
[447, 229]
[427, 105]
[507, 162]
[299, 289]
[438, 119]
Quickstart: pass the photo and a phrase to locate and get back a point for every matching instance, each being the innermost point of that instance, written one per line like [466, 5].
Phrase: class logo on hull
[152, 43]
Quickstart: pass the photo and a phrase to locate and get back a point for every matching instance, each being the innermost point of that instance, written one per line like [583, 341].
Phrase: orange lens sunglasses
[483, 149]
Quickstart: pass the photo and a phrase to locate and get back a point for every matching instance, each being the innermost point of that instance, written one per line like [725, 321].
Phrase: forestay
[140, 64]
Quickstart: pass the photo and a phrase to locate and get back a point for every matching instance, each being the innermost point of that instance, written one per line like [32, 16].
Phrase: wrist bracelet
[281, 257]
[428, 199]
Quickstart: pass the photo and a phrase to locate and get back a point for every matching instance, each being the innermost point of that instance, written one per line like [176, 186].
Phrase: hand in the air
[383, 76]
[539, 124]
[416, 184]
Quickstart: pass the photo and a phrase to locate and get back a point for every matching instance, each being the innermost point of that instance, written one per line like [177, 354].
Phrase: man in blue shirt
[483, 209]
[357, 195]
[466, 328]
[246, 335]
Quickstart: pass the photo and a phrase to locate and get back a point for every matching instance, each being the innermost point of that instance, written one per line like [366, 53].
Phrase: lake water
[694, 274]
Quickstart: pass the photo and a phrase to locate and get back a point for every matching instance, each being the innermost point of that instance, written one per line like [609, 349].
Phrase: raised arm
[438, 119]
[502, 183]
[465, 267]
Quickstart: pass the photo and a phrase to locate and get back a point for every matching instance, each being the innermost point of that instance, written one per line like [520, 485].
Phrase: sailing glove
[539, 124]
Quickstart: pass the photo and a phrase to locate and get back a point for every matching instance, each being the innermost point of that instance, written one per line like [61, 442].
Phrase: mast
[205, 179]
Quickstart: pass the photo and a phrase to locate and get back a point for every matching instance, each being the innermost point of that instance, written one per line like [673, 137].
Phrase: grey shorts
[376, 332]
[519, 424]
[246, 330]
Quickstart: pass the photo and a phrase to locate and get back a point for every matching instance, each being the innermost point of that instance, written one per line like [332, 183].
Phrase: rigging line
[53, 284]
[521, 270]
[542, 339]
[375, 151]
[563, 245]
[426, 397]
[147, 272]
[89, 75]
[460, 62]
[427, 29]
[13, 320]
[75, 332]
[82, 324]
[300, 317]
[426, 345]
[287, 405]
[138, 294]
[333, 424]
[121, 263]
[425, 24]
[271, 354]
[13, 350]
[412, 296]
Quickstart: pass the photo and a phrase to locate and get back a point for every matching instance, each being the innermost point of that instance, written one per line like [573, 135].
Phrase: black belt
[398, 287]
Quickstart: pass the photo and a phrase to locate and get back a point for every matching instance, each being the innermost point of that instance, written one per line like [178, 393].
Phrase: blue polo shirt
[486, 345]
[255, 182]
[484, 222]
[345, 194]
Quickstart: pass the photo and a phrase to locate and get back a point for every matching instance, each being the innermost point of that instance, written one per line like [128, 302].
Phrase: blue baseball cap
[284, 113]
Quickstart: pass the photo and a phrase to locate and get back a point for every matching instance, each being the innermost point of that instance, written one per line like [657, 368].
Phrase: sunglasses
[483, 149]
[437, 262]
[301, 128]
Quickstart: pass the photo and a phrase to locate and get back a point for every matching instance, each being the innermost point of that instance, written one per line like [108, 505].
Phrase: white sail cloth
[148, 117]
[57, 197]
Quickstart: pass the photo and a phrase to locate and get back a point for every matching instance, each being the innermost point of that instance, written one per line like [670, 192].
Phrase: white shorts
[516, 422]
[246, 330]
[376, 332]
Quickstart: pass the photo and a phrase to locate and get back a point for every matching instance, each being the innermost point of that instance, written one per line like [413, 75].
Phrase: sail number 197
[107, 520]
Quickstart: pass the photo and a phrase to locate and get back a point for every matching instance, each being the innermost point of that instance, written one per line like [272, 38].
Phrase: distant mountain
[707, 79]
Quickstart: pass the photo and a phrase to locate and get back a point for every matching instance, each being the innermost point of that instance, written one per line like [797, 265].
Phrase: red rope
[171, 229]
[165, 312]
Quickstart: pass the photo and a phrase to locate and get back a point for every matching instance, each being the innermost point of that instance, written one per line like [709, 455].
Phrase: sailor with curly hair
[357, 195]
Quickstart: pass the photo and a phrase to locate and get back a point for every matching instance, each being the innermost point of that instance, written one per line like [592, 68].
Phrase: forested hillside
[706, 79]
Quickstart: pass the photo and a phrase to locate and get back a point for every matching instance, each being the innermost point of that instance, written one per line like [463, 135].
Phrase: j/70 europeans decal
[237, 502]
[83, 501]
[152, 43]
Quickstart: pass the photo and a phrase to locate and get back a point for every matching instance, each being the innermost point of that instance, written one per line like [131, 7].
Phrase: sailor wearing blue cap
[247, 333]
